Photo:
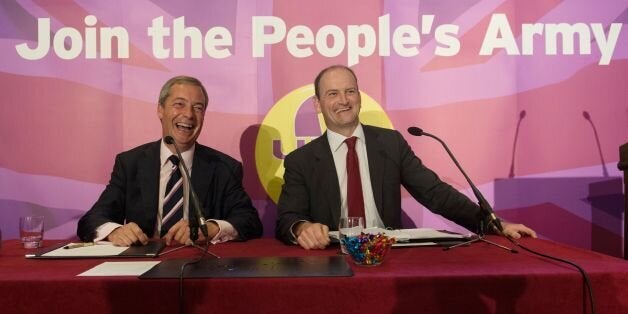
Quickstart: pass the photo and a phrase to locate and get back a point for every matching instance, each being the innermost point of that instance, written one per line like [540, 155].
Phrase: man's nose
[342, 98]
[188, 111]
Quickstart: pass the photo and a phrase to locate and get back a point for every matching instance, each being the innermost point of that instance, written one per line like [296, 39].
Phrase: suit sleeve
[293, 205]
[236, 203]
[439, 197]
[108, 208]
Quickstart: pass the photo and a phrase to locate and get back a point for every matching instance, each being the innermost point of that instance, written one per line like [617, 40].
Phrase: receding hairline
[317, 80]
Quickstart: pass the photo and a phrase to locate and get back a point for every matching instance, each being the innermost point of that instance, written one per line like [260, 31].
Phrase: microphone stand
[486, 211]
[196, 217]
[480, 237]
[196, 221]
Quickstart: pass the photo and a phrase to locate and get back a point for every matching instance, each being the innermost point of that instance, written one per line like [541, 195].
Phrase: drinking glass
[32, 231]
[349, 227]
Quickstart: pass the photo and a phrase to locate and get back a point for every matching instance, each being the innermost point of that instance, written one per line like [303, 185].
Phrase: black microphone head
[168, 139]
[522, 114]
[586, 115]
[415, 131]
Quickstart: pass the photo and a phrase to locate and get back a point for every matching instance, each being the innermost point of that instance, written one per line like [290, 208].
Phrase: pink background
[63, 121]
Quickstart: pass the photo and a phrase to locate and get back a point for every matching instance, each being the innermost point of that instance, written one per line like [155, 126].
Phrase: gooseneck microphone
[196, 216]
[587, 117]
[484, 205]
[511, 174]
[494, 221]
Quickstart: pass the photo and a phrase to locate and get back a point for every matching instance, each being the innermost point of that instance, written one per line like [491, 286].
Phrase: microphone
[587, 117]
[511, 174]
[484, 205]
[196, 216]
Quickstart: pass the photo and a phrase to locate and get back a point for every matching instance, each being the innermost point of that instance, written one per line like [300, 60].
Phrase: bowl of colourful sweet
[368, 249]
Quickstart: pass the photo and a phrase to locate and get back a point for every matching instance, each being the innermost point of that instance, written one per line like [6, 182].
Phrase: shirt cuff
[294, 237]
[226, 232]
[103, 231]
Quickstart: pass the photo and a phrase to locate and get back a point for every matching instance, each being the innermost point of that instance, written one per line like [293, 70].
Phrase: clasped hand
[312, 235]
[131, 233]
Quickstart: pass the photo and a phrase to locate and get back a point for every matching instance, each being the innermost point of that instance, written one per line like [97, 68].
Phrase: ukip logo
[293, 122]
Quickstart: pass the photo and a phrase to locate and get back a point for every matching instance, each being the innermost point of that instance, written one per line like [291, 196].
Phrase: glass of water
[349, 227]
[32, 231]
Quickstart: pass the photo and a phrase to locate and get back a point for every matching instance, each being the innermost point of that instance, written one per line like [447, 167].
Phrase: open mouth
[343, 109]
[184, 126]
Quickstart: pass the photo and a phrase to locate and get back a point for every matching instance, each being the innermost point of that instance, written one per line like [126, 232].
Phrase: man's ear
[160, 111]
[317, 104]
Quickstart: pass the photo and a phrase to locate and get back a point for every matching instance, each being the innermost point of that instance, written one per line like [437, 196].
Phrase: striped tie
[173, 199]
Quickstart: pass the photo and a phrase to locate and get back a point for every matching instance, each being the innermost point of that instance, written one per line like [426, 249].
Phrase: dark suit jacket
[132, 192]
[311, 191]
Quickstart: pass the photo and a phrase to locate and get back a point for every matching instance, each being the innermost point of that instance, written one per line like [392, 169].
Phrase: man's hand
[180, 232]
[127, 235]
[516, 231]
[312, 235]
[212, 230]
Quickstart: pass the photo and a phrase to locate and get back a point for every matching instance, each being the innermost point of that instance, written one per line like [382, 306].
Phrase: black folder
[253, 267]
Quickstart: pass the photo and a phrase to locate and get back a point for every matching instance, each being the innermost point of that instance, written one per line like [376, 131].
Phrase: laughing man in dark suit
[130, 208]
[314, 194]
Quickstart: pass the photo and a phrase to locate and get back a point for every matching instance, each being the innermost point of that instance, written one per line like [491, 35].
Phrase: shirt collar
[336, 140]
[187, 155]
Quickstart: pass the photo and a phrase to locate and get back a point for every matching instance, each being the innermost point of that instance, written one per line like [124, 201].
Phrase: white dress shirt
[339, 151]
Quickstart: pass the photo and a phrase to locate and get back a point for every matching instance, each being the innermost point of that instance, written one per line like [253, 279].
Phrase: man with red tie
[357, 170]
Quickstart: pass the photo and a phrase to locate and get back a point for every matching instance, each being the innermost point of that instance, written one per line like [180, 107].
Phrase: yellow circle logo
[293, 122]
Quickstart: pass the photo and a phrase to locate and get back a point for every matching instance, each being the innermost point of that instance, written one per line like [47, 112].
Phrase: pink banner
[530, 96]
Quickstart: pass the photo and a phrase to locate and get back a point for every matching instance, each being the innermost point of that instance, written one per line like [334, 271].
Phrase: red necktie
[355, 201]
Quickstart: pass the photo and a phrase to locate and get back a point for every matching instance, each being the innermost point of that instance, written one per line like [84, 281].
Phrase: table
[476, 279]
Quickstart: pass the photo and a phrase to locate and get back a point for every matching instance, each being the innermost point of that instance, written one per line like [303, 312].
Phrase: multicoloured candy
[368, 249]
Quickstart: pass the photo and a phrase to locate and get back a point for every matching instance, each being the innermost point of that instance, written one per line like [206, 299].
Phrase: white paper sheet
[100, 249]
[420, 233]
[120, 269]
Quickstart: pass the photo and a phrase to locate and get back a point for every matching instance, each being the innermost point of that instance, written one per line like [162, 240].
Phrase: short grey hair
[165, 90]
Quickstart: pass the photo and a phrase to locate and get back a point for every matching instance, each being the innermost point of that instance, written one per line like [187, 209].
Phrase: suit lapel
[148, 177]
[325, 171]
[201, 173]
[377, 164]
